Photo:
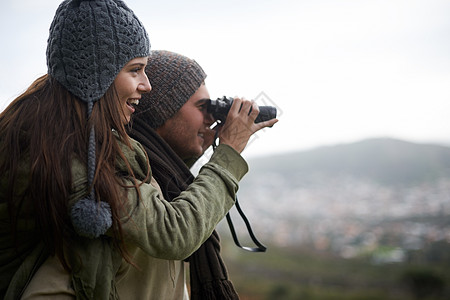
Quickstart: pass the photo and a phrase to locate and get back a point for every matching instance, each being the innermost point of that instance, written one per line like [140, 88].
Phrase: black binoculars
[219, 109]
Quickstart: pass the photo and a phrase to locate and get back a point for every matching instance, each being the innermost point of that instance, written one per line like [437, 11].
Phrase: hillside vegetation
[384, 160]
[367, 220]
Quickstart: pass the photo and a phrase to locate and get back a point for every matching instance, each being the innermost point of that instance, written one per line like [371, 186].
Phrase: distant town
[347, 215]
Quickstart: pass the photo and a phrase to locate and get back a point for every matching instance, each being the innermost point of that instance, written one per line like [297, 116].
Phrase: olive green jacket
[161, 229]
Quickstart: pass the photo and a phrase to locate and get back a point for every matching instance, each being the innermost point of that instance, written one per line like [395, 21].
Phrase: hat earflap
[89, 217]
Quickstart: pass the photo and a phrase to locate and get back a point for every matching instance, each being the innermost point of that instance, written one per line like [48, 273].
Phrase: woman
[76, 198]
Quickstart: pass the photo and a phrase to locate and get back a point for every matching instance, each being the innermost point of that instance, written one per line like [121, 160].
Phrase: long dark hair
[47, 128]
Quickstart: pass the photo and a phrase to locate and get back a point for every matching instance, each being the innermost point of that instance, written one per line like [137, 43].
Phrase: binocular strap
[260, 247]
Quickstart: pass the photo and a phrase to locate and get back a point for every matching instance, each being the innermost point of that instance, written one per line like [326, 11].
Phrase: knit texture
[174, 79]
[90, 42]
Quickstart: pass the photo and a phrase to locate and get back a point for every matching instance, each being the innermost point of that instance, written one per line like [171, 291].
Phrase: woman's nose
[145, 85]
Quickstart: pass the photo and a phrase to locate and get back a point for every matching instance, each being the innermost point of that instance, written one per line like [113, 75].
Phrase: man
[172, 124]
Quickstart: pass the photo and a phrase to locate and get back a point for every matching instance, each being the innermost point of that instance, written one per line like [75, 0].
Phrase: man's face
[186, 131]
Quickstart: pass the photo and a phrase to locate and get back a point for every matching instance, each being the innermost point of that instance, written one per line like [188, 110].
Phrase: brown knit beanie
[174, 79]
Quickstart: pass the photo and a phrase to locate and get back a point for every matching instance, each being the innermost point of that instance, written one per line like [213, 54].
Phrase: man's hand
[240, 124]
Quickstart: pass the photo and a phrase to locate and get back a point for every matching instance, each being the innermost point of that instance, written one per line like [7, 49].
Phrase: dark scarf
[208, 274]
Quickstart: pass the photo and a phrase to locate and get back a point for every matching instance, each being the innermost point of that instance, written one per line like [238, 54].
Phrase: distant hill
[384, 160]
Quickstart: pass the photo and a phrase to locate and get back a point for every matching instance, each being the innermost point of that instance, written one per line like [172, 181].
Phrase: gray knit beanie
[89, 43]
[174, 79]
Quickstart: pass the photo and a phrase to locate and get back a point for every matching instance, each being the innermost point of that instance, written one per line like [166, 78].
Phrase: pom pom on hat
[89, 43]
[90, 218]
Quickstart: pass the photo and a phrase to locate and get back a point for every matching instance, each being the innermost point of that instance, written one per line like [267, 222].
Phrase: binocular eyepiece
[219, 109]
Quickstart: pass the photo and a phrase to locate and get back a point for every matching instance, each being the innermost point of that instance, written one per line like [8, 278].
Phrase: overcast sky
[338, 71]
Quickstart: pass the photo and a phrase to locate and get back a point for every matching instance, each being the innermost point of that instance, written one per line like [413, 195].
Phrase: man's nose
[208, 118]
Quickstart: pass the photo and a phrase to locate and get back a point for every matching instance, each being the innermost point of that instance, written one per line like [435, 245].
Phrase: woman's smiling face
[130, 84]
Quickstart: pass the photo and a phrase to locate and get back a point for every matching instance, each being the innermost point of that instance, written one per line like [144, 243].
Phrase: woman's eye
[137, 69]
